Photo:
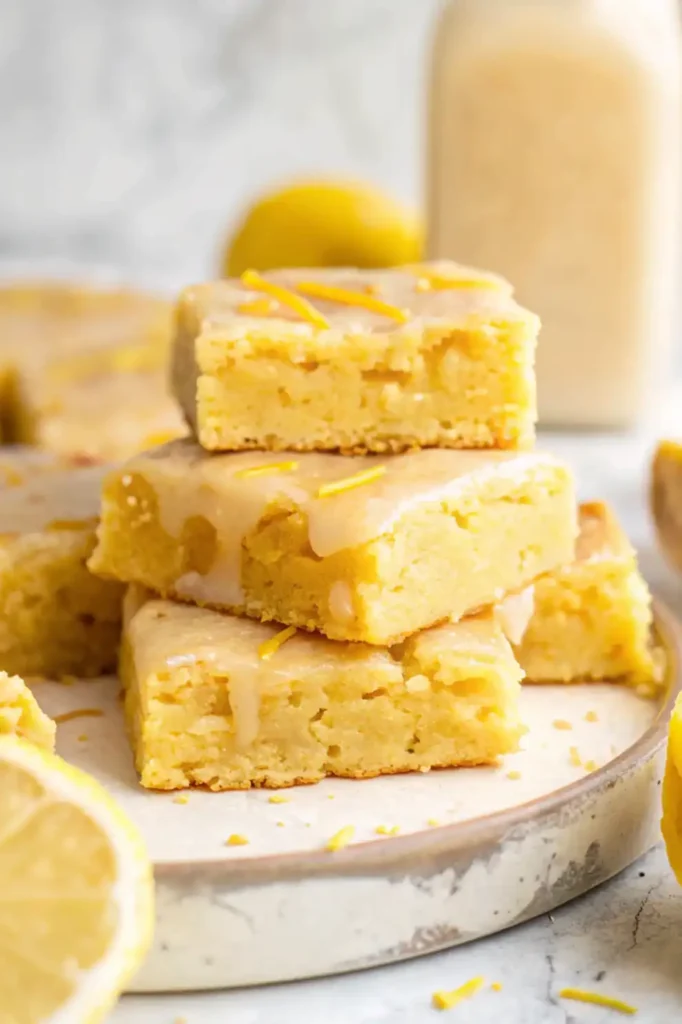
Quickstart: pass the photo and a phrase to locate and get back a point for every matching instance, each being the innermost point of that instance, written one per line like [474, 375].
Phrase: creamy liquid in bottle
[554, 160]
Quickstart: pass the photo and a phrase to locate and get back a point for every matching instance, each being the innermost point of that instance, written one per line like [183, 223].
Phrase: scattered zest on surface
[561, 723]
[341, 838]
[278, 798]
[597, 999]
[299, 305]
[574, 757]
[496, 986]
[317, 290]
[384, 830]
[433, 822]
[514, 775]
[367, 476]
[68, 716]
[181, 798]
[271, 646]
[591, 716]
[272, 467]
[236, 840]
[446, 1000]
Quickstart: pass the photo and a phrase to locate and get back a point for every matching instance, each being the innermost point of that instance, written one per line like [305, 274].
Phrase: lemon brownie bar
[20, 714]
[361, 549]
[227, 703]
[56, 618]
[356, 361]
[83, 369]
[592, 617]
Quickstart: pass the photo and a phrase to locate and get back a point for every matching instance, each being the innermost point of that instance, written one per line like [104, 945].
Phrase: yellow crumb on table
[574, 757]
[236, 840]
[432, 822]
[341, 838]
[514, 775]
[591, 716]
[562, 724]
[590, 766]
[496, 986]
[447, 1000]
[181, 798]
[279, 824]
[597, 999]
[278, 798]
[386, 830]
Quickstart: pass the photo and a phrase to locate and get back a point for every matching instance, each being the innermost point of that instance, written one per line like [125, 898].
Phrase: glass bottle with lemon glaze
[554, 159]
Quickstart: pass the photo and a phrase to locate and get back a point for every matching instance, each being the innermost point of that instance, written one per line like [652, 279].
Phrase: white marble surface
[135, 130]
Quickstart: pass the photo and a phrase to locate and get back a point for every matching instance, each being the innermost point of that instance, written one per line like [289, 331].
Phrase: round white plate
[478, 850]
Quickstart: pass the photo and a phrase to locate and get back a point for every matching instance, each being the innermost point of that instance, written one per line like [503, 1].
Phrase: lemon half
[76, 891]
[325, 224]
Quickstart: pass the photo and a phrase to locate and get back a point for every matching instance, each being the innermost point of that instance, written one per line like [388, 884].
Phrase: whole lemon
[325, 224]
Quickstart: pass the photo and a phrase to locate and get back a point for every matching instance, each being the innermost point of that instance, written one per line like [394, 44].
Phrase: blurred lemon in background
[325, 224]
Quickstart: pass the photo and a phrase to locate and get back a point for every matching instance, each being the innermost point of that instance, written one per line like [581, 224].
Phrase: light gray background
[133, 131]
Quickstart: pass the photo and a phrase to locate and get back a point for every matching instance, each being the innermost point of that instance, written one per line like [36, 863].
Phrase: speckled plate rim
[378, 856]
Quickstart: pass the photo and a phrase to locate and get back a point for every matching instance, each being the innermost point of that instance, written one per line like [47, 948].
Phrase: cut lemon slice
[76, 891]
[671, 825]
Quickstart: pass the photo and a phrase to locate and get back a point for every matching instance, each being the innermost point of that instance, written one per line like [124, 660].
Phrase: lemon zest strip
[597, 999]
[271, 467]
[271, 646]
[366, 476]
[251, 279]
[278, 798]
[236, 840]
[341, 838]
[446, 1000]
[329, 292]
[69, 716]
[385, 830]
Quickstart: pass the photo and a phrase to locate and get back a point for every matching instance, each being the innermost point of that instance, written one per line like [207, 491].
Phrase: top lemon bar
[425, 355]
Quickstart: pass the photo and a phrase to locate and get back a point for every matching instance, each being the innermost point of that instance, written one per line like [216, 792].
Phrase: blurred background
[135, 131]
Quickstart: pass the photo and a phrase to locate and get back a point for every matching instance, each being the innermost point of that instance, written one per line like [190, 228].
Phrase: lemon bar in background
[83, 369]
[56, 618]
[592, 617]
[357, 361]
[223, 702]
[20, 714]
[367, 548]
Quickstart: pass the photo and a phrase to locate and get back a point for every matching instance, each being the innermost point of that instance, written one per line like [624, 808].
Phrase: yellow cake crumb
[341, 838]
[271, 646]
[496, 986]
[447, 1000]
[574, 757]
[597, 999]
[69, 716]
[433, 822]
[236, 840]
[385, 830]
[279, 824]
[562, 724]
[590, 766]
[278, 798]
[514, 775]
[299, 305]
[591, 716]
[367, 476]
[181, 798]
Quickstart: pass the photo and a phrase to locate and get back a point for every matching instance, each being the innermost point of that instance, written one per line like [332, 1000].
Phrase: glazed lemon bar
[20, 714]
[364, 549]
[227, 703]
[56, 618]
[357, 361]
[592, 617]
[83, 369]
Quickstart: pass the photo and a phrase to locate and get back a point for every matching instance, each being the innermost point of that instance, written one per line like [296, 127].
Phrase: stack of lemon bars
[357, 556]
